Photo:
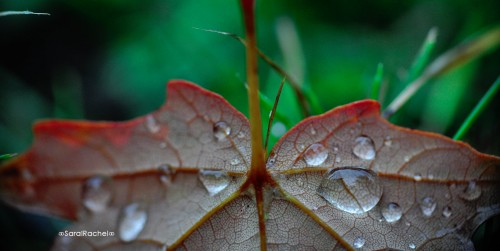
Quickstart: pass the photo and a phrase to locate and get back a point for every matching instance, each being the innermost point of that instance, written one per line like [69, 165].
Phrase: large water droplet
[221, 130]
[471, 192]
[352, 190]
[132, 220]
[359, 242]
[97, 193]
[315, 154]
[427, 206]
[392, 212]
[151, 124]
[364, 148]
[447, 212]
[214, 181]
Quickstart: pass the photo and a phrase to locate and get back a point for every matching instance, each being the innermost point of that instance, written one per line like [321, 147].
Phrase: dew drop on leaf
[235, 162]
[221, 130]
[166, 173]
[352, 190]
[132, 220]
[271, 160]
[315, 154]
[151, 124]
[471, 192]
[388, 141]
[447, 212]
[392, 212]
[418, 177]
[97, 193]
[214, 181]
[364, 148]
[359, 242]
[412, 246]
[427, 206]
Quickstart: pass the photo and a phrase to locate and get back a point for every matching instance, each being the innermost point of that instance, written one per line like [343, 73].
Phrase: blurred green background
[110, 60]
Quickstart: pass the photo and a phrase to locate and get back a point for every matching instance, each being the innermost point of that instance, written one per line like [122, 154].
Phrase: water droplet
[392, 212]
[388, 141]
[97, 193]
[352, 190]
[430, 176]
[241, 135]
[427, 206]
[364, 148]
[418, 177]
[359, 242]
[301, 147]
[151, 124]
[335, 149]
[338, 159]
[313, 131]
[412, 246]
[166, 173]
[407, 158]
[471, 192]
[447, 212]
[221, 130]
[271, 160]
[235, 162]
[315, 154]
[214, 181]
[163, 145]
[132, 220]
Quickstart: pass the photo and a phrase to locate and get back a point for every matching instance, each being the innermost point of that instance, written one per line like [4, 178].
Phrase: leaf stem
[485, 100]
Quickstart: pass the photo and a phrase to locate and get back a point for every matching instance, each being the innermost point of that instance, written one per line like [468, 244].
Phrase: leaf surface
[180, 178]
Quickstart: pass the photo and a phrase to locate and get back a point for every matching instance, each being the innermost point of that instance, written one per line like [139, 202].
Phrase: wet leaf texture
[176, 179]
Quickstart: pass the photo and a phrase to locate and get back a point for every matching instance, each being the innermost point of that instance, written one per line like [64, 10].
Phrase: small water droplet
[430, 176]
[166, 173]
[407, 158]
[271, 160]
[132, 220]
[352, 190]
[301, 147]
[418, 177]
[471, 192]
[214, 181]
[241, 135]
[447, 212]
[407, 223]
[388, 141]
[300, 182]
[338, 159]
[315, 154]
[235, 162]
[163, 145]
[359, 242]
[412, 246]
[97, 193]
[221, 130]
[364, 148]
[335, 149]
[151, 124]
[392, 212]
[313, 131]
[427, 206]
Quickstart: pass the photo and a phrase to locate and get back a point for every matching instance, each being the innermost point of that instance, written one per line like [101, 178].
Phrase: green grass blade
[423, 56]
[7, 156]
[485, 100]
[377, 82]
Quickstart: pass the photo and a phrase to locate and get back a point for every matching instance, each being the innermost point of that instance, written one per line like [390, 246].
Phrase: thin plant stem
[273, 112]
[377, 82]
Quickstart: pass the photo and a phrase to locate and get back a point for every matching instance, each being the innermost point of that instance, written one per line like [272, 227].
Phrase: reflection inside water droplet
[471, 192]
[447, 212]
[315, 154]
[364, 148]
[132, 220]
[97, 193]
[151, 124]
[427, 206]
[392, 212]
[214, 181]
[359, 242]
[221, 130]
[352, 190]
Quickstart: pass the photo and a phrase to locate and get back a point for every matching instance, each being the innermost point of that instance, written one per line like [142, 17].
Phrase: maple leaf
[180, 178]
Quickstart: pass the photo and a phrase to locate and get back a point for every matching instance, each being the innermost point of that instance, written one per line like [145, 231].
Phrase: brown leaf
[177, 179]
